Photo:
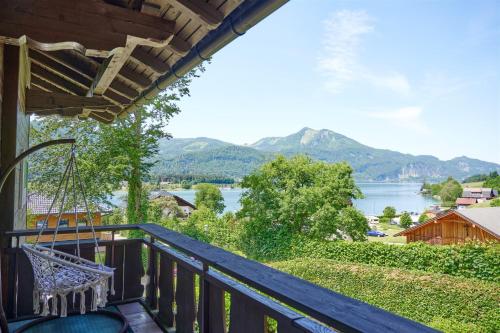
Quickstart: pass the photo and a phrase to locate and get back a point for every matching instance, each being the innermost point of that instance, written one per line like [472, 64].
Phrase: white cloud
[344, 31]
[407, 117]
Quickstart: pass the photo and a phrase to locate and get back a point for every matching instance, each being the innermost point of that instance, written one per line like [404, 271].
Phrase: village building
[38, 209]
[471, 196]
[457, 226]
[186, 207]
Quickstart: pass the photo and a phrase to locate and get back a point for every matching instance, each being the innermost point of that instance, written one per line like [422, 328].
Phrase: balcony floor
[138, 319]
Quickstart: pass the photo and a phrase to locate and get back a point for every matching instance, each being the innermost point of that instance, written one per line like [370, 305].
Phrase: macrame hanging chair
[61, 275]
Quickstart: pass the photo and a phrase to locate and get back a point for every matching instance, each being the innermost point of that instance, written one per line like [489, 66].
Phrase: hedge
[447, 303]
[476, 260]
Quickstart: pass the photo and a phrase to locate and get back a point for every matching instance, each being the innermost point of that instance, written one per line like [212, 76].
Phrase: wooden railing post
[204, 302]
[152, 290]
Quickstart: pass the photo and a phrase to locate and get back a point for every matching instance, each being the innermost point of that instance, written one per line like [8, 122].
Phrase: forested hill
[214, 157]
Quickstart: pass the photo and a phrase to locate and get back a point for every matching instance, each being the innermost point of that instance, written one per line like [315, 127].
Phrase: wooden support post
[14, 131]
[151, 291]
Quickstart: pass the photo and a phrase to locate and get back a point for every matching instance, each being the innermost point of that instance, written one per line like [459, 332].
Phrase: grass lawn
[390, 230]
[474, 184]
[447, 303]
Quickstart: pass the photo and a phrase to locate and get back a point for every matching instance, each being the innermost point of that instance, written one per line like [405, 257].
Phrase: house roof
[487, 219]
[162, 193]
[38, 204]
[483, 192]
[118, 54]
[465, 201]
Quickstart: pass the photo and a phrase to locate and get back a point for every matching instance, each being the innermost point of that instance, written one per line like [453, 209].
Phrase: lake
[402, 196]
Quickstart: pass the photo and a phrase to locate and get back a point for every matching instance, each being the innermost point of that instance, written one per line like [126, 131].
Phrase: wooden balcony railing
[189, 284]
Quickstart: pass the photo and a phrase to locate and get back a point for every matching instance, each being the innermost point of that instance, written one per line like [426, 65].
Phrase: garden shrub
[476, 260]
[447, 303]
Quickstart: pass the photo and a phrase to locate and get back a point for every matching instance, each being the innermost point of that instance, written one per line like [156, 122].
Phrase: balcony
[188, 286]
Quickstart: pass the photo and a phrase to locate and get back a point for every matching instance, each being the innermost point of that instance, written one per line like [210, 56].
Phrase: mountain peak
[306, 138]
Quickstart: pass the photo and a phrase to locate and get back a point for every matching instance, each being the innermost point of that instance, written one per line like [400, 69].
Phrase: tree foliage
[423, 218]
[450, 191]
[298, 196]
[389, 212]
[493, 182]
[123, 151]
[210, 196]
[405, 220]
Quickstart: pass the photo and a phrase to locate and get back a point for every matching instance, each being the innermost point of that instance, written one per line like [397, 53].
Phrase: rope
[46, 221]
[88, 213]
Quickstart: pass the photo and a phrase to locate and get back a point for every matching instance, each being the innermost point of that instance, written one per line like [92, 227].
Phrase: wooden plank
[39, 102]
[246, 316]
[152, 286]
[109, 70]
[56, 80]
[137, 78]
[133, 271]
[68, 73]
[150, 60]
[185, 300]
[116, 261]
[216, 310]
[166, 286]
[47, 86]
[25, 282]
[327, 306]
[207, 14]
[91, 23]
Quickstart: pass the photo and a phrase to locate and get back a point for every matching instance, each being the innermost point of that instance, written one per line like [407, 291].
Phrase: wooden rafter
[150, 60]
[44, 103]
[97, 26]
[208, 14]
[79, 76]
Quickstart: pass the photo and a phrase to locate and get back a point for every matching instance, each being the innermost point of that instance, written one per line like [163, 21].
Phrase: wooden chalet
[38, 208]
[457, 226]
[101, 59]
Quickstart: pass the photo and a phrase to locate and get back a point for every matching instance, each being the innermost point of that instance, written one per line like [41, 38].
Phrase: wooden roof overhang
[101, 59]
[440, 216]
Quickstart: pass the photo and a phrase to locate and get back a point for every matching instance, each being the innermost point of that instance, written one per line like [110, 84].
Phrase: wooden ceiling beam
[94, 24]
[156, 64]
[47, 86]
[208, 14]
[56, 83]
[56, 80]
[77, 74]
[38, 102]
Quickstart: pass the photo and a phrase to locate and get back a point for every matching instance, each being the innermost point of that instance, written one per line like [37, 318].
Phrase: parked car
[376, 233]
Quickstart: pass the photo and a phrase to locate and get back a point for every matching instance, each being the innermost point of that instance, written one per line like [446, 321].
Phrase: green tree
[389, 212]
[422, 218]
[493, 182]
[450, 191]
[495, 202]
[110, 154]
[210, 196]
[405, 220]
[296, 196]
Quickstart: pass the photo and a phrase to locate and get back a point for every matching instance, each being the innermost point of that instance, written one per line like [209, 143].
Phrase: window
[64, 223]
[82, 222]
[39, 224]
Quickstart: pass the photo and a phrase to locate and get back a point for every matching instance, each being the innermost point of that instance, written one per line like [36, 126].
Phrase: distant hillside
[214, 157]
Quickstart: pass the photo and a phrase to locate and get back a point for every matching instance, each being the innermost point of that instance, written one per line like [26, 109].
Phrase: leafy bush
[405, 220]
[474, 260]
[389, 212]
[446, 303]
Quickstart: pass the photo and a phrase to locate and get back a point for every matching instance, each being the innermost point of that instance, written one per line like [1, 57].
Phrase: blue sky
[419, 77]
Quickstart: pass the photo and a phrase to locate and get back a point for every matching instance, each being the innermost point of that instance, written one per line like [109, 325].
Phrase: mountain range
[206, 156]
